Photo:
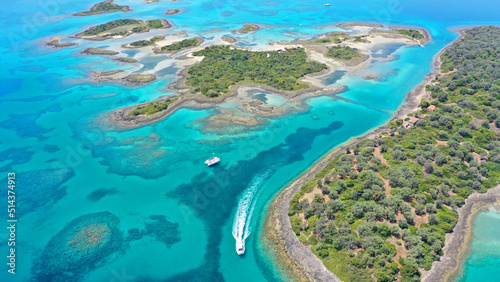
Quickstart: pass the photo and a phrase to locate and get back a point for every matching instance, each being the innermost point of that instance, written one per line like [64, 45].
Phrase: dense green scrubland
[136, 26]
[95, 30]
[343, 53]
[413, 33]
[151, 108]
[186, 43]
[382, 208]
[223, 66]
[248, 28]
[143, 43]
[104, 7]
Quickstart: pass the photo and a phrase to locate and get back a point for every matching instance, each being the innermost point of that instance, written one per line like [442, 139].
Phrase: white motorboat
[240, 247]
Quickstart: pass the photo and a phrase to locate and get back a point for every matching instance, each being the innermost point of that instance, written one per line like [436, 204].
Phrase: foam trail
[241, 224]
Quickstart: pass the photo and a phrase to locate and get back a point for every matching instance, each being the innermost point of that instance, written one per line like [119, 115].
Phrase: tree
[357, 210]
[464, 131]
[433, 219]
[403, 224]
[440, 159]
[430, 208]
[367, 228]
[384, 229]
[311, 222]
[406, 194]
[399, 155]
[410, 268]
[318, 198]
[419, 209]
[330, 213]
[395, 231]
[424, 103]
[428, 167]
[410, 218]
[443, 97]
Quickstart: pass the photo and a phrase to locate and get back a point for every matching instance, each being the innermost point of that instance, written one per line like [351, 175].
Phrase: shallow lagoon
[483, 261]
[46, 101]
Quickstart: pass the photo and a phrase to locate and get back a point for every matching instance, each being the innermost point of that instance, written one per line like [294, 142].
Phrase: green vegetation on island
[323, 40]
[155, 24]
[224, 66]
[144, 43]
[104, 7]
[247, 28]
[339, 37]
[413, 33]
[186, 43]
[382, 209]
[151, 108]
[95, 30]
[98, 51]
[122, 27]
[139, 79]
[343, 53]
[126, 60]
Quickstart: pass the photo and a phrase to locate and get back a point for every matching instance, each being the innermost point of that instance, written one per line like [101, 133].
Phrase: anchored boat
[212, 161]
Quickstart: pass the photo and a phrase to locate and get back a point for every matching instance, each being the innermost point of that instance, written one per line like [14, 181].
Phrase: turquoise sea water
[165, 215]
[483, 260]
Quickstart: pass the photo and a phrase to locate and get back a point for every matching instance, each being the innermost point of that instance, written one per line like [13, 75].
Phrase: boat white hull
[240, 247]
[212, 161]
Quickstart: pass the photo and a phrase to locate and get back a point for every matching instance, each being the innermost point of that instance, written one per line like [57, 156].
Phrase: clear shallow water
[72, 170]
[483, 261]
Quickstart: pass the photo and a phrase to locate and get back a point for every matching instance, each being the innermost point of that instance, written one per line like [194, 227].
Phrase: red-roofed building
[431, 107]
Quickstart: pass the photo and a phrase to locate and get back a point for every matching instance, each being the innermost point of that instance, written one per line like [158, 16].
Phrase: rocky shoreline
[125, 60]
[99, 52]
[119, 119]
[55, 43]
[291, 255]
[121, 76]
[247, 28]
[172, 12]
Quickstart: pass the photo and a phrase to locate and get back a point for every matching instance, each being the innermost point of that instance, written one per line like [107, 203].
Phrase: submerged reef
[85, 243]
[159, 228]
[37, 188]
[91, 240]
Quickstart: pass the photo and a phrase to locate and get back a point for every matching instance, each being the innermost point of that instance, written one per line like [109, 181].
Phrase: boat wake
[241, 224]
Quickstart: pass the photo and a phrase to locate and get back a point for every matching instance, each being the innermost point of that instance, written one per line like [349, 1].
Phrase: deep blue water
[167, 216]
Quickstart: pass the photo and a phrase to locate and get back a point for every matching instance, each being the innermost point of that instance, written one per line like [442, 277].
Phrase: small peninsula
[144, 43]
[179, 46]
[381, 208]
[123, 77]
[121, 28]
[102, 8]
[55, 42]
